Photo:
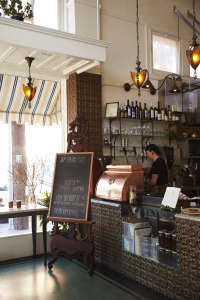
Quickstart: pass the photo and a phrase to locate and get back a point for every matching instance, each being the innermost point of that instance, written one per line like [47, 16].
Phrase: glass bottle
[166, 114]
[169, 113]
[145, 112]
[140, 112]
[173, 114]
[128, 108]
[159, 112]
[151, 112]
[125, 112]
[121, 111]
[136, 110]
[162, 113]
[155, 113]
[132, 194]
[132, 110]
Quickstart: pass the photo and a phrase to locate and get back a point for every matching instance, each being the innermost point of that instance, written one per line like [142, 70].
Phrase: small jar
[168, 240]
[132, 195]
[173, 242]
[161, 238]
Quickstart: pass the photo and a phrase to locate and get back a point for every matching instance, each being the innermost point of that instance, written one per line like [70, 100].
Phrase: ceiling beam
[63, 63]
[190, 15]
[75, 67]
[88, 66]
[45, 61]
[31, 54]
[185, 20]
[7, 53]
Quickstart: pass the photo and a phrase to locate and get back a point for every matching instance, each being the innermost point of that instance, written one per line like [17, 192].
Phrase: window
[42, 142]
[46, 13]
[165, 54]
[4, 161]
[69, 16]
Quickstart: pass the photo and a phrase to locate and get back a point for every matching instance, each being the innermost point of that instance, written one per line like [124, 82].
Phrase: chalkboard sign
[71, 187]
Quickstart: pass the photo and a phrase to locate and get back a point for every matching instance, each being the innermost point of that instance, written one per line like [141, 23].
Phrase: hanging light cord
[137, 29]
[194, 16]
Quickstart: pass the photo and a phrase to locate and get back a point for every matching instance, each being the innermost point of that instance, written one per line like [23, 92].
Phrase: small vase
[32, 199]
[18, 18]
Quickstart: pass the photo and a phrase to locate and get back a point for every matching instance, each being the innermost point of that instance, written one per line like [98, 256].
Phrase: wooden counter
[180, 282]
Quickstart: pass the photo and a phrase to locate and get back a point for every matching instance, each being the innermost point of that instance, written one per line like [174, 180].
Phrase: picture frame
[112, 109]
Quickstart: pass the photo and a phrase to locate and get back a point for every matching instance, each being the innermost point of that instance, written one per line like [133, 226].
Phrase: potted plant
[15, 9]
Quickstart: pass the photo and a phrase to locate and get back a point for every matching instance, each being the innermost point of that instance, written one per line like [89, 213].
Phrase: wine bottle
[166, 114]
[136, 110]
[162, 113]
[145, 112]
[173, 114]
[132, 110]
[125, 112]
[169, 113]
[128, 108]
[151, 112]
[159, 112]
[155, 113]
[140, 112]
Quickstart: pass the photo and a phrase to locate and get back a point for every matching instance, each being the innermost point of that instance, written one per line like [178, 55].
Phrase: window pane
[165, 54]
[4, 161]
[69, 16]
[42, 144]
[46, 13]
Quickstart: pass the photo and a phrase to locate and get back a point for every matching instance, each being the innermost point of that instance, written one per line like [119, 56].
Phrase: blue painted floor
[30, 280]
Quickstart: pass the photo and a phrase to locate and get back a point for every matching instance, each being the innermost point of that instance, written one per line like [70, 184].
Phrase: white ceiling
[57, 54]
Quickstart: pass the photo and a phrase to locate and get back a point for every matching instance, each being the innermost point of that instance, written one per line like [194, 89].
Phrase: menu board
[71, 187]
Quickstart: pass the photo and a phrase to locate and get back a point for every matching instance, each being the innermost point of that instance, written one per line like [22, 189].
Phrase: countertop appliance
[115, 182]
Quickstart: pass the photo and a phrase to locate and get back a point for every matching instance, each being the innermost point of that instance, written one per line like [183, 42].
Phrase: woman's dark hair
[154, 148]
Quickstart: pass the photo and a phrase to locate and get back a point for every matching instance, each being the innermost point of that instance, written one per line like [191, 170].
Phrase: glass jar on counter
[161, 239]
[132, 195]
[173, 242]
[168, 240]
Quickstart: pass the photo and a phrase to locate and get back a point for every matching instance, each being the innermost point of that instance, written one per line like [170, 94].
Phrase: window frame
[161, 73]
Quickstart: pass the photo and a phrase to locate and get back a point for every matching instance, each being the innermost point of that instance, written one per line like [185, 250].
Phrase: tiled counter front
[107, 233]
[188, 234]
[177, 283]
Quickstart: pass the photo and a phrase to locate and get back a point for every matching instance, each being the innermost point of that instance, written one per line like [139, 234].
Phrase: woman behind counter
[158, 175]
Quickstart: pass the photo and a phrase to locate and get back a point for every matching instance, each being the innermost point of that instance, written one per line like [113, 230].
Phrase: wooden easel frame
[72, 220]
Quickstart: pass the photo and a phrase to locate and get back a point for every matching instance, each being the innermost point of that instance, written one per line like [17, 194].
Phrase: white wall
[118, 26]
[86, 18]
[20, 246]
[118, 19]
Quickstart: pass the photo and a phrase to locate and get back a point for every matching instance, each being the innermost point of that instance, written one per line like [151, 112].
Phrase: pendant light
[29, 90]
[139, 76]
[193, 53]
[175, 89]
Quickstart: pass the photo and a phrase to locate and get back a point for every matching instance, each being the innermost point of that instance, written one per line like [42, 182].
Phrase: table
[32, 211]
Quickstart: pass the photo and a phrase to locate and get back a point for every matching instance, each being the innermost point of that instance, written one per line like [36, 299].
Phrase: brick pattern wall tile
[178, 283]
[84, 97]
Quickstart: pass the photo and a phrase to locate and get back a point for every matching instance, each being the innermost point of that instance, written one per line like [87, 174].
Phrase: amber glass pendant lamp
[29, 90]
[193, 53]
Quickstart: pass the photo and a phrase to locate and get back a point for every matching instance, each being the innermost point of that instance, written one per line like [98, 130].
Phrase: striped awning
[14, 106]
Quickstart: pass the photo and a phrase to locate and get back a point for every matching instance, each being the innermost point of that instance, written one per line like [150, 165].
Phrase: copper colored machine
[115, 182]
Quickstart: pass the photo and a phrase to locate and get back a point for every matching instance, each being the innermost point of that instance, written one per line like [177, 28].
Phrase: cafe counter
[173, 274]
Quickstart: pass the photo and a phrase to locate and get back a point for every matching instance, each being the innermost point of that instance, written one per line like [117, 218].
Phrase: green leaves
[15, 8]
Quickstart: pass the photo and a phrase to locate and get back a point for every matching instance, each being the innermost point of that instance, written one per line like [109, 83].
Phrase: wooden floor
[30, 280]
